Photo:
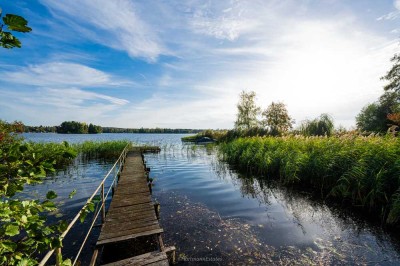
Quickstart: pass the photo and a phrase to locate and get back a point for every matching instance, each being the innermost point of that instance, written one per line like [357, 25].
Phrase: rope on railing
[119, 162]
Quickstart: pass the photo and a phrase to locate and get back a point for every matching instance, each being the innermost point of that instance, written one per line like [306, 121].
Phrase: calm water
[212, 213]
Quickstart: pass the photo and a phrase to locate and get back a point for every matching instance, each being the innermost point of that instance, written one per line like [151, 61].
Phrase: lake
[210, 212]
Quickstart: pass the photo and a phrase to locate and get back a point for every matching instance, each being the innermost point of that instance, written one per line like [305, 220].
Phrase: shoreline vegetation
[350, 170]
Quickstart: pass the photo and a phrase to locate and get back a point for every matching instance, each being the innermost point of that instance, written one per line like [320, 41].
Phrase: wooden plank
[130, 209]
[133, 213]
[132, 217]
[129, 236]
[150, 258]
[129, 231]
[128, 202]
[127, 225]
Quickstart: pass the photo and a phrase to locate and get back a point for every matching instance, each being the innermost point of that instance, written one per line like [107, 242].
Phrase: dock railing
[114, 173]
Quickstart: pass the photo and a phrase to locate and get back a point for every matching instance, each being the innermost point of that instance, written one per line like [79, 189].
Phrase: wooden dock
[132, 214]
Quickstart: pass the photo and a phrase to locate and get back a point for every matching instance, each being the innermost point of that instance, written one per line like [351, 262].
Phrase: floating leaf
[51, 195]
[72, 194]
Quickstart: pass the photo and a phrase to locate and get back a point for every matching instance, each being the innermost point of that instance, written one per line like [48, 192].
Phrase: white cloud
[61, 74]
[112, 23]
[52, 106]
[396, 4]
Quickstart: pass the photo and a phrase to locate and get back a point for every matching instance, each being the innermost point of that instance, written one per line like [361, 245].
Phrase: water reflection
[210, 210]
[288, 226]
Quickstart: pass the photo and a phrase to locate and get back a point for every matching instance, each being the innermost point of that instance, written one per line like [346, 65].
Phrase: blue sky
[182, 64]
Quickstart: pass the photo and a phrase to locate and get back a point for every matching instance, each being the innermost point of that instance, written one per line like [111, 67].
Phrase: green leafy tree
[247, 111]
[73, 127]
[12, 23]
[372, 118]
[93, 129]
[393, 75]
[277, 118]
[321, 126]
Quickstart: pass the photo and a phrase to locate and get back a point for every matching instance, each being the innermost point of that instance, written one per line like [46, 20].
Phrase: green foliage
[372, 118]
[100, 149]
[247, 111]
[277, 119]
[73, 127]
[93, 129]
[393, 75]
[13, 23]
[321, 126]
[23, 228]
[361, 171]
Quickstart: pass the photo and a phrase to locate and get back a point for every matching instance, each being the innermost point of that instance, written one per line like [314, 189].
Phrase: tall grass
[100, 149]
[86, 150]
[361, 171]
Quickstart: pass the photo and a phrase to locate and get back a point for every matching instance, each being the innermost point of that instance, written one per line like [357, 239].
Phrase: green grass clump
[101, 149]
[362, 171]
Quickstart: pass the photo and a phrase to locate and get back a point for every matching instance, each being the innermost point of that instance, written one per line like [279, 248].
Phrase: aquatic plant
[100, 149]
[361, 171]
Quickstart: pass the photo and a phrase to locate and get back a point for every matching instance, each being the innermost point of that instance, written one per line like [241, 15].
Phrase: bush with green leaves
[24, 231]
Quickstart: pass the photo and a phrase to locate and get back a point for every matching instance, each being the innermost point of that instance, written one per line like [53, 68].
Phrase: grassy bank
[361, 171]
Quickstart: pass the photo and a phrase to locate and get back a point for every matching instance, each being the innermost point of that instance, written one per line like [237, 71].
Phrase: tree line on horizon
[74, 127]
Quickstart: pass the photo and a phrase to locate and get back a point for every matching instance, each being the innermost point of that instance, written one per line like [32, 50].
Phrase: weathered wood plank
[146, 259]
[129, 231]
[129, 236]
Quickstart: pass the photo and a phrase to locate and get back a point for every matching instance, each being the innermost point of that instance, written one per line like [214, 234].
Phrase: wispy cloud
[223, 21]
[113, 23]
[394, 14]
[62, 74]
[52, 106]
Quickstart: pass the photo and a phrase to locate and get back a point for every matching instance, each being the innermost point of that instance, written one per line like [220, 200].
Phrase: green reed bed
[362, 171]
[62, 153]
[100, 149]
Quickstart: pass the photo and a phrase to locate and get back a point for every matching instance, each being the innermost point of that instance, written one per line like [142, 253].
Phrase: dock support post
[160, 242]
[157, 210]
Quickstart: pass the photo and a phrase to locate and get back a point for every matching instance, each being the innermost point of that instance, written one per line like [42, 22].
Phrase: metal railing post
[58, 257]
[103, 206]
